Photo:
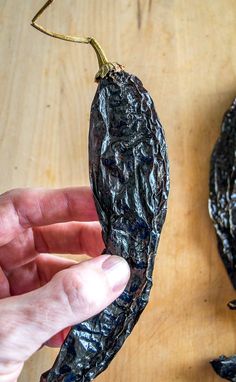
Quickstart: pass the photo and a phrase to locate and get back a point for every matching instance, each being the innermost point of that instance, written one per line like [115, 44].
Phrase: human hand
[42, 295]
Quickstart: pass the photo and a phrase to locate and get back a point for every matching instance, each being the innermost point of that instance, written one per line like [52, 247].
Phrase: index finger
[24, 208]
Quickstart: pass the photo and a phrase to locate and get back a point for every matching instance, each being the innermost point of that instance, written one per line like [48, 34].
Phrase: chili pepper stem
[104, 65]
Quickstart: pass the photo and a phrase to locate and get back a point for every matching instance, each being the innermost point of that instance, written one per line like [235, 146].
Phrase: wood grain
[184, 52]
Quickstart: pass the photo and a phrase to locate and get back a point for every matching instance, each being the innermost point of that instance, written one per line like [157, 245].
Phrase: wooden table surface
[184, 52]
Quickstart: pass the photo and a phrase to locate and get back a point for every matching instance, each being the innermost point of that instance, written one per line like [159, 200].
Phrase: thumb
[72, 296]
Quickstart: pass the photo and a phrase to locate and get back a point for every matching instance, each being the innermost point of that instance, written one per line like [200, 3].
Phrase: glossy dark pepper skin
[129, 176]
[222, 208]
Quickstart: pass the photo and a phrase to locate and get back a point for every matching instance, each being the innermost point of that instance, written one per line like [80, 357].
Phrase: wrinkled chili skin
[225, 367]
[129, 175]
[222, 208]
[222, 200]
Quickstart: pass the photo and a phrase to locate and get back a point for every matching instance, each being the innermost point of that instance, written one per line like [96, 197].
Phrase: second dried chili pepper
[222, 208]
[222, 200]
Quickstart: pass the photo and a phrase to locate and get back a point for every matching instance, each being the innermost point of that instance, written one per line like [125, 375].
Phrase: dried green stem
[104, 65]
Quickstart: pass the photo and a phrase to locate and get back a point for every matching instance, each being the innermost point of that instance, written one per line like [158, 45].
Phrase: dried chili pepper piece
[222, 208]
[222, 201]
[225, 367]
[232, 305]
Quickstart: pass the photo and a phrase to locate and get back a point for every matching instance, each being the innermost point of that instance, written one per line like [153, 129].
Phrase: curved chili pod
[130, 181]
[222, 201]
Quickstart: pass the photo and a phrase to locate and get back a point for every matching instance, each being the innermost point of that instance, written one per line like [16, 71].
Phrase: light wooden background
[185, 53]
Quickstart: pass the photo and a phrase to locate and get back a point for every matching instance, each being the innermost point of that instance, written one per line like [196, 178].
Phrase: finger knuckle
[77, 294]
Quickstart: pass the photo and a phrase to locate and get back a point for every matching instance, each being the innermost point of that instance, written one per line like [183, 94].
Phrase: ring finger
[73, 238]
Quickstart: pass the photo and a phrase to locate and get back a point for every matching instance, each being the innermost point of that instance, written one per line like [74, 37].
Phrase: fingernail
[117, 272]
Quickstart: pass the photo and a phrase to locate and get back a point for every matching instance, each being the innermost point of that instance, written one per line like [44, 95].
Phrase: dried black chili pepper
[222, 208]
[130, 181]
[222, 201]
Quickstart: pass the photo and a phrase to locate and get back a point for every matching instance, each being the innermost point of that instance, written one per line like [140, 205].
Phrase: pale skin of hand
[43, 295]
